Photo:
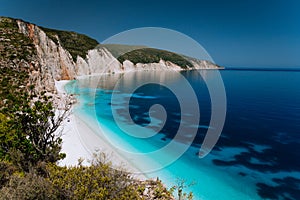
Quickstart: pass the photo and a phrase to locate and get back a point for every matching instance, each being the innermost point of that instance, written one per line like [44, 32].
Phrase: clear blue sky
[234, 32]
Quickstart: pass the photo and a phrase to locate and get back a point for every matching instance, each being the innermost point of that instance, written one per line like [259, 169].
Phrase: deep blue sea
[257, 155]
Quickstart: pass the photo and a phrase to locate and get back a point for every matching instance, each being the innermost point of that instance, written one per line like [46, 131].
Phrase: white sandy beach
[81, 141]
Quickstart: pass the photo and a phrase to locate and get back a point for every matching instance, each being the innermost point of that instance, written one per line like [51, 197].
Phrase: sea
[158, 121]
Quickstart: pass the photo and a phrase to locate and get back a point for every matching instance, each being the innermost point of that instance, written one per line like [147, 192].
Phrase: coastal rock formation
[53, 56]
[98, 61]
[204, 64]
[161, 65]
[54, 62]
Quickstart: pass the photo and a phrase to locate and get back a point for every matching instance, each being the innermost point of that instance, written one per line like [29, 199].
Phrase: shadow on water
[263, 120]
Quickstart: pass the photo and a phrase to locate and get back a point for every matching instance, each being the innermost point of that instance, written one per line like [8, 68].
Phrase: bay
[256, 156]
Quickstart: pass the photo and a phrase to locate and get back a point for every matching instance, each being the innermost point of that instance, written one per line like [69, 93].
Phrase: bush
[29, 186]
[6, 171]
[98, 181]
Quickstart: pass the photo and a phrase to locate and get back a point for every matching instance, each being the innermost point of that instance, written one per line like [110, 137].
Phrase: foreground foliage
[28, 124]
[97, 181]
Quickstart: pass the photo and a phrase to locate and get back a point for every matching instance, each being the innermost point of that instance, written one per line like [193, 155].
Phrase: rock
[204, 64]
[55, 63]
[146, 191]
[98, 61]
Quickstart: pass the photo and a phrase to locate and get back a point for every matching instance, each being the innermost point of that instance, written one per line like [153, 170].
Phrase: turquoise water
[250, 159]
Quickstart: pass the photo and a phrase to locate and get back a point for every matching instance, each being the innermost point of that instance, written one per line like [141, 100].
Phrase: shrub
[29, 186]
[98, 181]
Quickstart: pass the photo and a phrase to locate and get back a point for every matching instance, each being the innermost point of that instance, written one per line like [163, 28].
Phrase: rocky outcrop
[204, 64]
[98, 61]
[161, 65]
[102, 61]
[54, 62]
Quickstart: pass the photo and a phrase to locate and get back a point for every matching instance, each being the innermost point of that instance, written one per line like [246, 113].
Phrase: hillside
[150, 55]
[17, 53]
[120, 49]
[14, 46]
[143, 54]
[197, 63]
[77, 44]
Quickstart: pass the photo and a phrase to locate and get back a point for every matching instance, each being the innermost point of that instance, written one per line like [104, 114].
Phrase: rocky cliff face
[161, 65]
[204, 64]
[55, 63]
[50, 61]
[98, 61]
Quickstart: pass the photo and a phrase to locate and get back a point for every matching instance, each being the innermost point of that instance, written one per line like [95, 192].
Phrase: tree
[180, 186]
[38, 130]
[30, 127]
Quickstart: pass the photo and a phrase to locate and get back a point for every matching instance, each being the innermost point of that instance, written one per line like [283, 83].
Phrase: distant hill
[197, 61]
[120, 49]
[144, 54]
[150, 55]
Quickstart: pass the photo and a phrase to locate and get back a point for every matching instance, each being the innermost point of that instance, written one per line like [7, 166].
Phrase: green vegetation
[75, 43]
[98, 181]
[150, 55]
[179, 187]
[25, 186]
[101, 181]
[8, 23]
[120, 49]
[14, 46]
[27, 122]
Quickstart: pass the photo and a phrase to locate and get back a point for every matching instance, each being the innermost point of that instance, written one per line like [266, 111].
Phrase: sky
[234, 32]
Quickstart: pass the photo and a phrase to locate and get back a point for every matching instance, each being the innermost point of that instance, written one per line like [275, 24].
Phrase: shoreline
[81, 140]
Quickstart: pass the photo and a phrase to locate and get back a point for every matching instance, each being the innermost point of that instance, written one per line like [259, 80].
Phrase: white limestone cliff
[98, 61]
[55, 63]
[161, 65]
[204, 64]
